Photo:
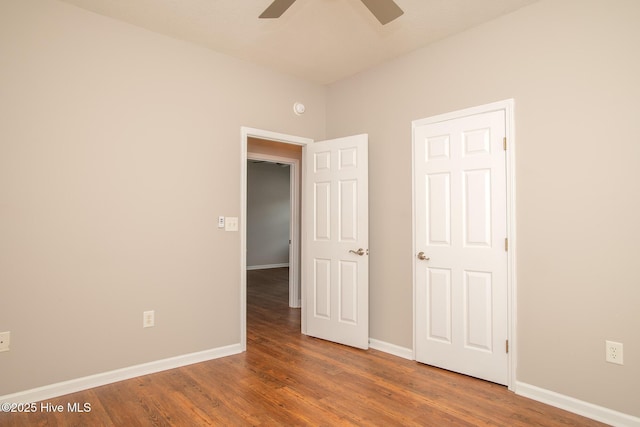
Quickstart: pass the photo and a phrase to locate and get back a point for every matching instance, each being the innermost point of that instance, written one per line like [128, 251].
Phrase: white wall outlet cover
[220, 222]
[614, 352]
[5, 339]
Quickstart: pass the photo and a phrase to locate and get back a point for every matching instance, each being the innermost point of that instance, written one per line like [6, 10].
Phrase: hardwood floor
[286, 378]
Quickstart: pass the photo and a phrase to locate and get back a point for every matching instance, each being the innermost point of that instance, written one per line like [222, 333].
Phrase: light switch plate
[148, 319]
[231, 223]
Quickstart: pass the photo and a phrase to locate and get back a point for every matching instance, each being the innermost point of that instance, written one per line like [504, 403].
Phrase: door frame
[508, 107]
[245, 134]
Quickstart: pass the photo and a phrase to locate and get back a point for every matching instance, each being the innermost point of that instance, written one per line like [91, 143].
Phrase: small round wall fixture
[298, 108]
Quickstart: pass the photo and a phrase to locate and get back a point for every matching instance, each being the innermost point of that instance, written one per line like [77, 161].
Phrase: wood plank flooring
[289, 379]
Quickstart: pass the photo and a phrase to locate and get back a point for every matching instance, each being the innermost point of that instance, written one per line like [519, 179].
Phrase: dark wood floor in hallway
[287, 379]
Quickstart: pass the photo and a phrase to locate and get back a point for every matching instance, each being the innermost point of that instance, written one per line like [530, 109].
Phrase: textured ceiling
[318, 40]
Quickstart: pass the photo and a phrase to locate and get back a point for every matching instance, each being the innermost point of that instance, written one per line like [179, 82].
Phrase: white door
[335, 242]
[460, 231]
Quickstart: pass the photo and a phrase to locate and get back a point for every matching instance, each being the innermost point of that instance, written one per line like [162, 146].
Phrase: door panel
[335, 276]
[349, 292]
[439, 204]
[348, 210]
[476, 192]
[322, 288]
[322, 210]
[460, 224]
[479, 327]
[439, 302]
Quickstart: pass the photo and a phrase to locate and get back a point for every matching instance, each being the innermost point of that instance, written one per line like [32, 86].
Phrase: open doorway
[270, 147]
[269, 215]
[273, 210]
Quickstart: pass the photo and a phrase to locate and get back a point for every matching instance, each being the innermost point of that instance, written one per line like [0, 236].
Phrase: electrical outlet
[148, 319]
[220, 222]
[5, 338]
[614, 352]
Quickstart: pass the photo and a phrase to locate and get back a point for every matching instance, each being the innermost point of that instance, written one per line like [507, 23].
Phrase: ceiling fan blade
[276, 9]
[384, 10]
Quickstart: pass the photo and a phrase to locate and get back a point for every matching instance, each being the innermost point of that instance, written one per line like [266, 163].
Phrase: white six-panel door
[460, 231]
[335, 261]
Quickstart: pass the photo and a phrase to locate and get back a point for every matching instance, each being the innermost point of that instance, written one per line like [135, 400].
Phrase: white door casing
[460, 214]
[335, 241]
[245, 134]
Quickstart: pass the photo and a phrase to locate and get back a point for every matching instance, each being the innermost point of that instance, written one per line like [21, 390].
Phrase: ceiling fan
[384, 10]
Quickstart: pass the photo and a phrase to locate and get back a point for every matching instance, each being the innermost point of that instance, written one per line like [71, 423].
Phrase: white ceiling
[317, 40]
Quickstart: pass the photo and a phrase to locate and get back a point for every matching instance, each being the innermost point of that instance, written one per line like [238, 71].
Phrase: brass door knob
[422, 256]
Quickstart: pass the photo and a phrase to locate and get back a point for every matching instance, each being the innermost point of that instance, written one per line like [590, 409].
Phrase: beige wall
[573, 68]
[119, 148]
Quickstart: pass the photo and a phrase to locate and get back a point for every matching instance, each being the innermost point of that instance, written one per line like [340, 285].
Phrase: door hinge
[506, 244]
[504, 143]
[507, 346]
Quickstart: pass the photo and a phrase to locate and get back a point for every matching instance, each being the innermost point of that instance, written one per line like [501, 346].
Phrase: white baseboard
[396, 350]
[264, 267]
[84, 383]
[576, 406]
